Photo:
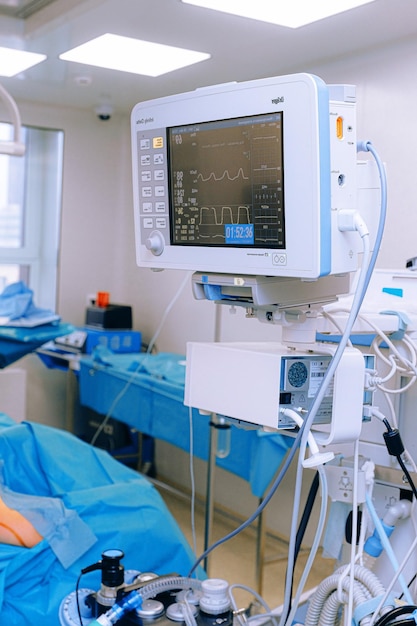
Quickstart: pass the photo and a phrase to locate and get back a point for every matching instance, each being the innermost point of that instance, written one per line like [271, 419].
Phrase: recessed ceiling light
[14, 61]
[291, 13]
[126, 54]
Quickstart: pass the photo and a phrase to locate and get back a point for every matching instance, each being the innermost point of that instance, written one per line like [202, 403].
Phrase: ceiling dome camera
[104, 112]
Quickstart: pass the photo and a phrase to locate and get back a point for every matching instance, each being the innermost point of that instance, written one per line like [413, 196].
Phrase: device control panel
[153, 201]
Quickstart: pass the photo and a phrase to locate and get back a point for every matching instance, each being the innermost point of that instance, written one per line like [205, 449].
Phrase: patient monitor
[247, 178]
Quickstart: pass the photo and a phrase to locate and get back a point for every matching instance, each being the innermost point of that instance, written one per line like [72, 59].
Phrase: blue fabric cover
[151, 389]
[16, 343]
[16, 302]
[114, 507]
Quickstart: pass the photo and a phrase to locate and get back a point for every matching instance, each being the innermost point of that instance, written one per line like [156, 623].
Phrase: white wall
[96, 242]
[97, 249]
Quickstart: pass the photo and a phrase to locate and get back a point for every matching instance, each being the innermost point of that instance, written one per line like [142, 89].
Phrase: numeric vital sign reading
[226, 183]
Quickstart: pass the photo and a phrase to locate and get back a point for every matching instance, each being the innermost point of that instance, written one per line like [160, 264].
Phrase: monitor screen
[226, 182]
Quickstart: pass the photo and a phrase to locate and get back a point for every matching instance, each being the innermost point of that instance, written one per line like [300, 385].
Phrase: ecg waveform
[226, 174]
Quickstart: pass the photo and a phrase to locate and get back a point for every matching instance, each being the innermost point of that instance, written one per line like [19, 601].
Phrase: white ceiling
[241, 49]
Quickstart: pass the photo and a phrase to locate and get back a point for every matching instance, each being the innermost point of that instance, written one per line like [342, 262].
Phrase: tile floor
[235, 561]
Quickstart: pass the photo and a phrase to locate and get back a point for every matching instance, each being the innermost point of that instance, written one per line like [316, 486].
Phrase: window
[30, 206]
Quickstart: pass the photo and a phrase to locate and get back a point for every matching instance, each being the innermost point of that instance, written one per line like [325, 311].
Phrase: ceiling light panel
[126, 54]
[14, 61]
[293, 13]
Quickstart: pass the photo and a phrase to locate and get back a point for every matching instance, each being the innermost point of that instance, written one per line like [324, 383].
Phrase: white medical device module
[247, 178]
[257, 380]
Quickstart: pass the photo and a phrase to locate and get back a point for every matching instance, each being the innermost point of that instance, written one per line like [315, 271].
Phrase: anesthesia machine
[257, 188]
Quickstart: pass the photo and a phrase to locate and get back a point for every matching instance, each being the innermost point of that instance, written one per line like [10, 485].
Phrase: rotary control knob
[155, 243]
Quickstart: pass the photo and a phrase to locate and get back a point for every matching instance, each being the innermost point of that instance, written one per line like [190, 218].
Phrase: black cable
[396, 448]
[387, 424]
[302, 527]
[390, 617]
[305, 518]
[408, 585]
[407, 475]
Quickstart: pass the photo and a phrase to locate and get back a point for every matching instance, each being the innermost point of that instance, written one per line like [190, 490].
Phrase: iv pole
[15, 147]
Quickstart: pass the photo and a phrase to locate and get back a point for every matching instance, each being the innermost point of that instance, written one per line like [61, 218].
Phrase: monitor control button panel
[153, 189]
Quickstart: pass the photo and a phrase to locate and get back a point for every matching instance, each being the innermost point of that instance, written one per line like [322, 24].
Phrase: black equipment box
[116, 316]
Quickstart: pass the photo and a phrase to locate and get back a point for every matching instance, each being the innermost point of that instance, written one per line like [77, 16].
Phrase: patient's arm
[15, 529]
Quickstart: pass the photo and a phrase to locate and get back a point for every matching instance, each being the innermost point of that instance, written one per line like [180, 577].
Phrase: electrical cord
[308, 507]
[376, 413]
[260, 508]
[393, 360]
[242, 621]
[369, 468]
[391, 616]
[400, 597]
[396, 448]
[192, 479]
[315, 545]
[355, 507]
[407, 475]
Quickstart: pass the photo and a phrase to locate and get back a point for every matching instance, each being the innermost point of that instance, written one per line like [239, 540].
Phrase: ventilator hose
[331, 608]
[366, 583]
[318, 611]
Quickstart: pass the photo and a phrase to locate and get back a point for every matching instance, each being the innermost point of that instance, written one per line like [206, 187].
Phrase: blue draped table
[17, 342]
